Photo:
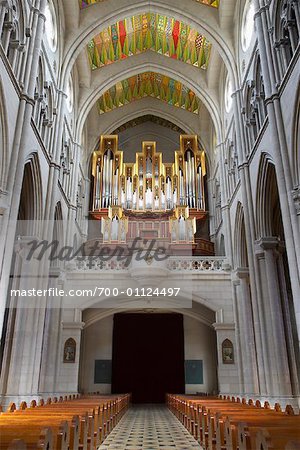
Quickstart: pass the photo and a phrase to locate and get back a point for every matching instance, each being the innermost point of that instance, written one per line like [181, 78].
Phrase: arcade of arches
[122, 124]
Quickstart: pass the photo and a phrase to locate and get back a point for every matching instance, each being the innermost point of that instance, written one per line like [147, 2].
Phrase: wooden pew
[227, 424]
[76, 423]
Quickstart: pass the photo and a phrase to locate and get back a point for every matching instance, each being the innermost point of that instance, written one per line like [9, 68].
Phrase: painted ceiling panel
[149, 84]
[149, 31]
[85, 3]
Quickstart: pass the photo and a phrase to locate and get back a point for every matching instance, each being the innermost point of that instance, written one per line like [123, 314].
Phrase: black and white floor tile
[149, 427]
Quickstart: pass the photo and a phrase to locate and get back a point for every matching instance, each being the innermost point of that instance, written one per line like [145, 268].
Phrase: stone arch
[240, 245]
[58, 231]
[296, 143]
[31, 203]
[273, 260]
[142, 110]
[119, 71]
[93, 18]
[268, 211]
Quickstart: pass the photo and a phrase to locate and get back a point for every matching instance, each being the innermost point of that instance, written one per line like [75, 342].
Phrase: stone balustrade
[173, 264]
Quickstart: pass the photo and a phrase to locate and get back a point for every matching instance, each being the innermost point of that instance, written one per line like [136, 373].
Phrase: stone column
[239, 335]
[228, 375]
[278, 372]
[250, 236]
[68, 372]
[280, 150]
[248, 350]
[52, 336]
[22, 359]
[16, 167]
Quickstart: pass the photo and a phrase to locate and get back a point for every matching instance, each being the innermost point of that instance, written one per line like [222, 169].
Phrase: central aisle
[149, 427]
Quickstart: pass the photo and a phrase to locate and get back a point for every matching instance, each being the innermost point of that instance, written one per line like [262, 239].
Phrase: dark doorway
[148, 356]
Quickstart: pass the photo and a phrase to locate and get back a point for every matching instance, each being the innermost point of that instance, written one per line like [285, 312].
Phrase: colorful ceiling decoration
[149, 31]
[84, 3]
[149, 84]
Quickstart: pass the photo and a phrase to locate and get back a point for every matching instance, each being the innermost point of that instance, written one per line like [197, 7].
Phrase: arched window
[70, 95]
[51, 26]
[228, 94]
[247, 25]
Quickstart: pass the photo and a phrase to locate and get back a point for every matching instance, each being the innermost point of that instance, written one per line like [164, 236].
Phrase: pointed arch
[296, 143]
[268, 211]
[31, 203]
[240, 245]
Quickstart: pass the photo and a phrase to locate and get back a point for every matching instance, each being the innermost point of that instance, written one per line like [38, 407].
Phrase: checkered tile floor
[149, 427]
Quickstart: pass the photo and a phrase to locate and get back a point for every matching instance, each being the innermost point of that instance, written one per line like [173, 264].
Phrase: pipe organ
[150, 199]
[148, 184]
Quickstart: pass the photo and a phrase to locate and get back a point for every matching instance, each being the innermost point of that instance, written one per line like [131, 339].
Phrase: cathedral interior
[150, 207]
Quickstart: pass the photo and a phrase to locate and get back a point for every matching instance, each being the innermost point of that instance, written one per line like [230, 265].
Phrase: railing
[197, 263]
[94, 263]
[174, 264]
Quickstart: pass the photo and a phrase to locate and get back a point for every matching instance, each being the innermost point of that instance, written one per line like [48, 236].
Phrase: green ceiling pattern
[84, 3]
[149, 31]
[149, 84]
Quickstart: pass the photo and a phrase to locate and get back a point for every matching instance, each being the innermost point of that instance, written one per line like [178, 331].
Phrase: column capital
[268, 242]
[73, 325]
[242, 273]
[224, 326]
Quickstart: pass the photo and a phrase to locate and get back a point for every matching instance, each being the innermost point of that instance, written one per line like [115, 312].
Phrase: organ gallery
[150, 198]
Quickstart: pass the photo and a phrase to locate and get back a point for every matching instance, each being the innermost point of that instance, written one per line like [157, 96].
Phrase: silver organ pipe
[110, 179]
[169, 193]
[97, 181]
[116, 187]
[199, 184]
[104, 184]
[181, 188]
[129, 193]
[193, 183]
[187, 188]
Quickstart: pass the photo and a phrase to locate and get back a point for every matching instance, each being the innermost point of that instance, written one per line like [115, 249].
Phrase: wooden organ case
[149, 198]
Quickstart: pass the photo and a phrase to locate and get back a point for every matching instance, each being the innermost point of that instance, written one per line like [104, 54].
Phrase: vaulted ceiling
[149, 31]
[149, 84]
[162, 58]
